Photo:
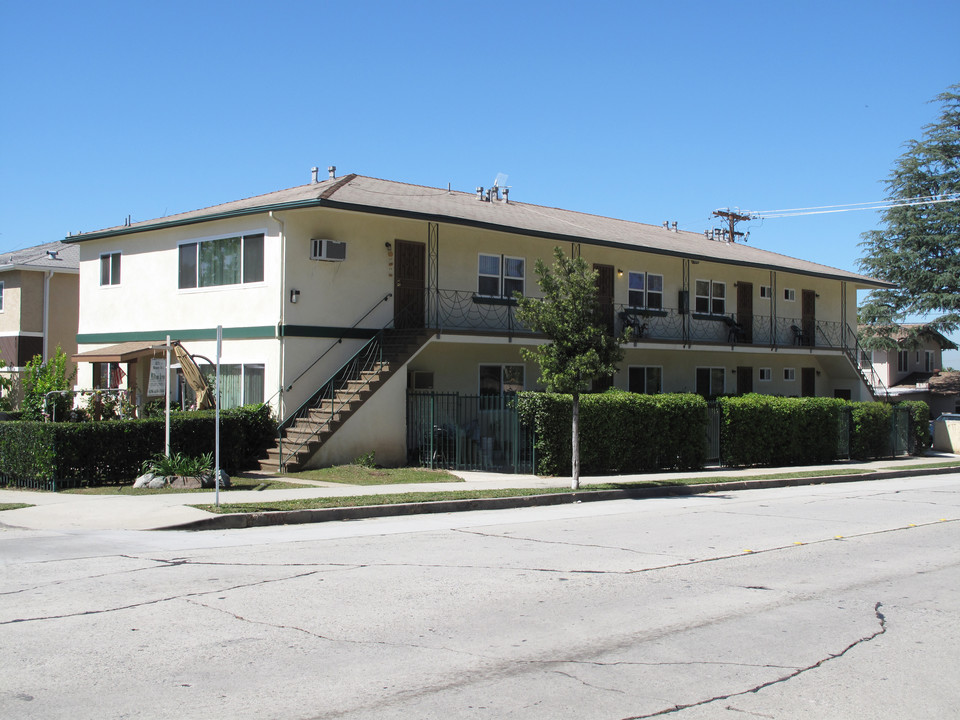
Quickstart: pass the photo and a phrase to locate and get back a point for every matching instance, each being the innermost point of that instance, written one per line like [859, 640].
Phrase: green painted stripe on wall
[320, 331]
[231, 333]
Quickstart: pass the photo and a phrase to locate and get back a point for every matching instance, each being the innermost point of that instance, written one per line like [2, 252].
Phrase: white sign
[157, 387]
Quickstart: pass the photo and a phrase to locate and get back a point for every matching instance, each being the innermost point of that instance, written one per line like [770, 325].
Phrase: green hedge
[766, 430]
[619, 431]
[112, 451]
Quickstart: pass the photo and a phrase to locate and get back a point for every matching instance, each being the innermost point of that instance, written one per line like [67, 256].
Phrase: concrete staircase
[302, 435]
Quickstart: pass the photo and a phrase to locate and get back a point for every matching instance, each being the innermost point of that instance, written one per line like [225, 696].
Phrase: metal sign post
[166, 409]
[216, 434]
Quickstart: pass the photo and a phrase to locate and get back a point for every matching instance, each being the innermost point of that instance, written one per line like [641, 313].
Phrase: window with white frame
[240, 384]
[766, 374]
[645, 290]
[903, 361]
[710, 381]
[221, 261]
[710, 297]
[789, 374]
[927, 354]
[501, 379]
[645, 380]
[500, 276]
[789, 294]
[766, 292]
[110, 268]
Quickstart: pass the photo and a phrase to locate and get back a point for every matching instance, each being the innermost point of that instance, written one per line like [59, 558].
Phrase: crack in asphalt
[350, 641]
[881, 618]
[156, 601]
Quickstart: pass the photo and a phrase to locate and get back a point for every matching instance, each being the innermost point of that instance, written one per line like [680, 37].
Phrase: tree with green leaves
[919, 247]
[581, 348]
[41, 378]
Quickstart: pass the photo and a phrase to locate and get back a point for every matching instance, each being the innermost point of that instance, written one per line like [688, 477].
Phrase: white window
[645, 380]
[240, 384]
[501, 379]
[766, 374]
[710, 297]
[789, 294]
[903, 361]
[221, 261]
[766, 291]
[645, 290]
[710, 381]
[500, 276]
[927, 354]
[110, 269]
[789, 374]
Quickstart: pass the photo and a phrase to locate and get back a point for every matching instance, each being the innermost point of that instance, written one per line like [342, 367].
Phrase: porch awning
[121, 353]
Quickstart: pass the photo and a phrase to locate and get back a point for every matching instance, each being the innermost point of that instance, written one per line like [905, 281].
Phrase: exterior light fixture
[294, 295]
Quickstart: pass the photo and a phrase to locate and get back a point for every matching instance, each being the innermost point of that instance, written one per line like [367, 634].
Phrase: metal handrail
[367, 359]
[864, 365]
[363, 317]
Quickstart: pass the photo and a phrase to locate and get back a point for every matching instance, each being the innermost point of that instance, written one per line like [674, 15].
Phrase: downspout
[283, 310]
[47, 276]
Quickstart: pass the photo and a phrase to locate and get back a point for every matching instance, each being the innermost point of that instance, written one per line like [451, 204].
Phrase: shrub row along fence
[624, 432]
[56, 456]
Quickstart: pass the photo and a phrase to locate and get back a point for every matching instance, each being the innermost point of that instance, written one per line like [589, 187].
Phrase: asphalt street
[822, 601]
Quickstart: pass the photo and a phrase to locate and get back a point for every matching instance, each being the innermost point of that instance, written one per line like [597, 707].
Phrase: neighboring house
[38, 304]
[301, 279]
[915, 373]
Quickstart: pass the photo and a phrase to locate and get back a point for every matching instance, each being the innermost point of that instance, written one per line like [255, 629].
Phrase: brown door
[744, 380]
[605, 295]
[808, 308]
[409, 297]
[808, 382]
[745, 311]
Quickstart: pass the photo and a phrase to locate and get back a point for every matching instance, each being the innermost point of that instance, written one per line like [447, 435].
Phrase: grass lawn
[14, 506]
[236, 484]
[361, 475]
[396, 498]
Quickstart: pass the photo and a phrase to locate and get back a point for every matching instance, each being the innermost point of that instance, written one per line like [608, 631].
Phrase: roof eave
[325, 202]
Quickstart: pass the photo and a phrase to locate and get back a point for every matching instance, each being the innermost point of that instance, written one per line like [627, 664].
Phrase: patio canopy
[121, 353]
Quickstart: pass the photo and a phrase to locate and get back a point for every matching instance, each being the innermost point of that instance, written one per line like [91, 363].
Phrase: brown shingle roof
[366, 194]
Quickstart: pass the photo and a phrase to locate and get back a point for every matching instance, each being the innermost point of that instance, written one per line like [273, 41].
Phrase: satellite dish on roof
[501, 180]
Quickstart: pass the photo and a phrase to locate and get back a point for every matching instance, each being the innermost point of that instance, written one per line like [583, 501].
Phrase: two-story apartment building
[301, 279]
[39, 299]
[914, 372]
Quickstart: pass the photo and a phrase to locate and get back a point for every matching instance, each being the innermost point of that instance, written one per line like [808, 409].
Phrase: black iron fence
[467, 432]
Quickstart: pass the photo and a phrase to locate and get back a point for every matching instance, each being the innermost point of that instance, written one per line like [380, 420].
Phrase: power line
[875, 205]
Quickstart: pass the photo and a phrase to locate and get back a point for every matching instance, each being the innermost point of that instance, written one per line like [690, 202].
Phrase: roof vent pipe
[314, 171]
[332, 171]
[479, 193]
[675, 226]
[506, 194]
[666, 224]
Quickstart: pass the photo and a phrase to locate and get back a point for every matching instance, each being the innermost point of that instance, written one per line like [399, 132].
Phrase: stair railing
[339, 340]
[358, 370]
[333, 396]
[860, 358]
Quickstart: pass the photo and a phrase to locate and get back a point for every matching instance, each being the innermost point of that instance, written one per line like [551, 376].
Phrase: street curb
[235, 521]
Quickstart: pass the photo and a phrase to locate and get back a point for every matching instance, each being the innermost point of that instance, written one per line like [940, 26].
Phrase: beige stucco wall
[12, 301]
[148, 298]
[64, 314]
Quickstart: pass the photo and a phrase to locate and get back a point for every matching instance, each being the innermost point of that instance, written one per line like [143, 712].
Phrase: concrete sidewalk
[67, 511]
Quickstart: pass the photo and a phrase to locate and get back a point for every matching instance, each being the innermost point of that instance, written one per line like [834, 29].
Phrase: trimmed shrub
[619, 431]
[113, 451]
[870, 430]
[767, 430]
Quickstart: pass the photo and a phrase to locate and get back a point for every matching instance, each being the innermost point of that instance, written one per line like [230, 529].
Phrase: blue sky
[638, 110]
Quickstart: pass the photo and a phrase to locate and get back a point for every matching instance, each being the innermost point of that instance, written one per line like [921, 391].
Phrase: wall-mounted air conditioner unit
[323, 249]
[420, 380]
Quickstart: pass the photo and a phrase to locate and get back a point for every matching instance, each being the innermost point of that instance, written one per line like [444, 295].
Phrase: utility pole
[732, 219]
